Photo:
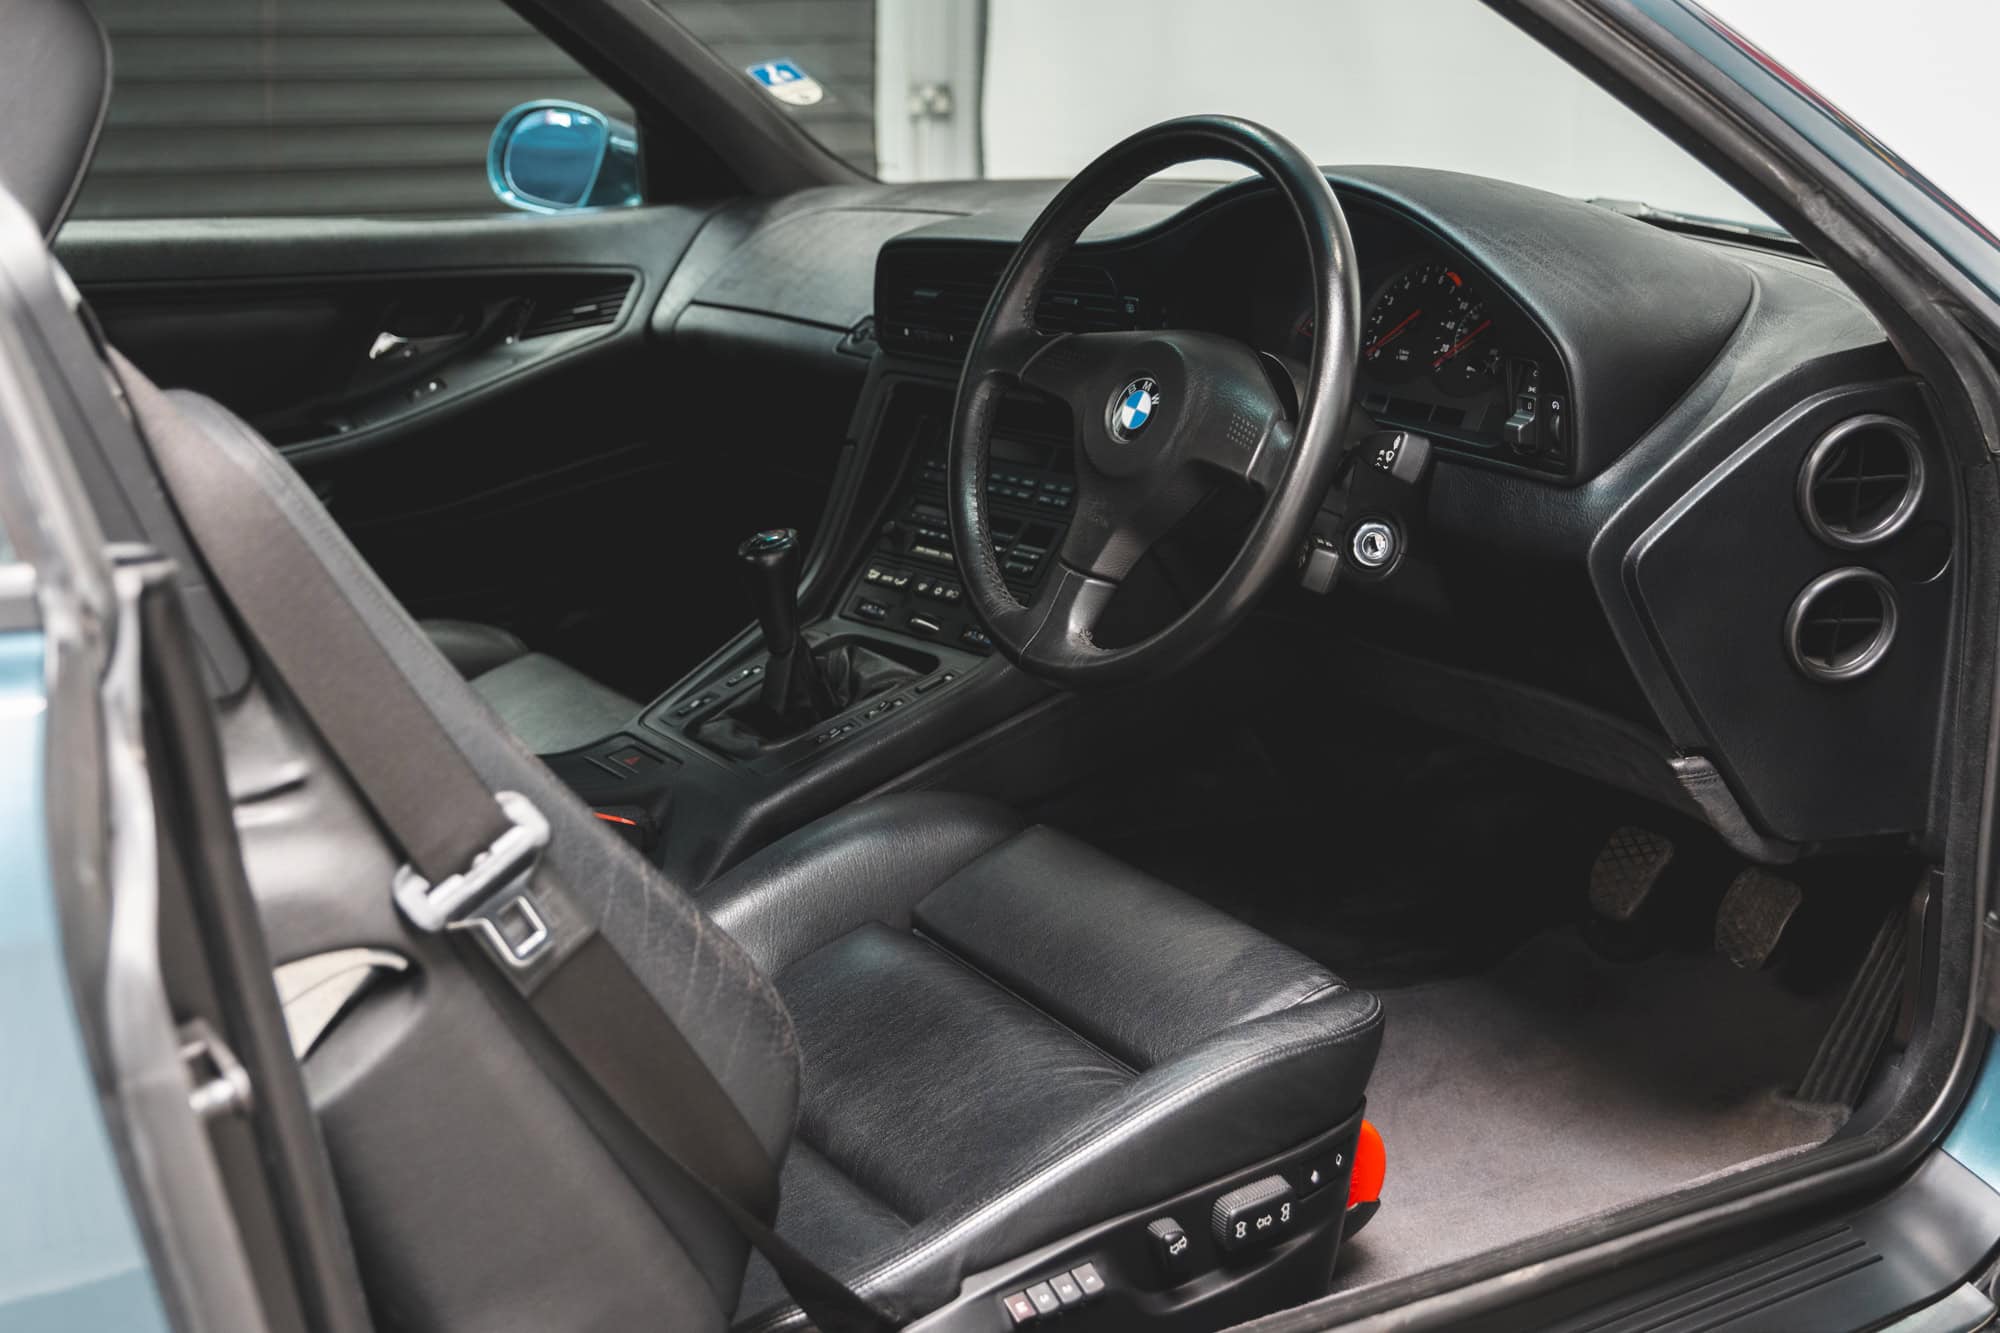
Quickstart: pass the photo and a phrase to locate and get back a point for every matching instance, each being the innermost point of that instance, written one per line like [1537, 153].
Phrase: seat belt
[475, 865]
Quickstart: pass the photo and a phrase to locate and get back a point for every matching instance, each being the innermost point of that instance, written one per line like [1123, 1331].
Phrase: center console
[821, 700]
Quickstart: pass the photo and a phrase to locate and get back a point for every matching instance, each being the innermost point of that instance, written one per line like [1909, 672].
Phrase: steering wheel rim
[1209, 413]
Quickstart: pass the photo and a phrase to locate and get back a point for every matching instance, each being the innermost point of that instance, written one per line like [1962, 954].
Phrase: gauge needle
[1461, 344]
[1401, 324]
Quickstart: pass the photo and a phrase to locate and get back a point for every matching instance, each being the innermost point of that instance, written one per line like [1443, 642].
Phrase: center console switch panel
[910, 584]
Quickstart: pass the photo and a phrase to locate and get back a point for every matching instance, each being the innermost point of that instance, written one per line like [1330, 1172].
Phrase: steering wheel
[1161, 418]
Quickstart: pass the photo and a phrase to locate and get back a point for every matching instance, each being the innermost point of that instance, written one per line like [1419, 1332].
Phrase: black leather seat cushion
[1007, 1036]
[549, 705]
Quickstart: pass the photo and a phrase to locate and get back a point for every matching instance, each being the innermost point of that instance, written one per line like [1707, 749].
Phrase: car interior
[1171, 750]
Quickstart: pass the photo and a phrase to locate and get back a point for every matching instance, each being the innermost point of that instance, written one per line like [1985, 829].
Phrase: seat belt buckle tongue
[491, 895]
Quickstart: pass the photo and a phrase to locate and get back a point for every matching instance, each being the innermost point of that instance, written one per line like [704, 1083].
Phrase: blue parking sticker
[787, 82]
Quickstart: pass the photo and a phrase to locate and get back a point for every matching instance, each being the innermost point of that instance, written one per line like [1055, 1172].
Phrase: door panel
[485, 410]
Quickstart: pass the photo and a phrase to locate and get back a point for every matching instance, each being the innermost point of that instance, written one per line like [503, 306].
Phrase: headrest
[55, 81]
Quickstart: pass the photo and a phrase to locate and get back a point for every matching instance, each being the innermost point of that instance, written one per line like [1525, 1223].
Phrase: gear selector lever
[794, 685]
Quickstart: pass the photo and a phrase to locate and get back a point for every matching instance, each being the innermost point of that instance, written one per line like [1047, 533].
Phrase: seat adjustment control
[1172, 1248]
[1256, 1215]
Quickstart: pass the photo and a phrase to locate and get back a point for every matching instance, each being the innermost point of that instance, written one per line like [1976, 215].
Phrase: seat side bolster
[1249, 1092]
[868, 863]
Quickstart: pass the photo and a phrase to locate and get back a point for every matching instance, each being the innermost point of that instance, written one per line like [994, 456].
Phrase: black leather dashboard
[1652, 573]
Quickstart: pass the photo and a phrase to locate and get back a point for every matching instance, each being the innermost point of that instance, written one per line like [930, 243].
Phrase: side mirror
[552, 157]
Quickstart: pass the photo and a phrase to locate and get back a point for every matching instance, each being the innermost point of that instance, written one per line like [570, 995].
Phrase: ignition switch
[1374, 544]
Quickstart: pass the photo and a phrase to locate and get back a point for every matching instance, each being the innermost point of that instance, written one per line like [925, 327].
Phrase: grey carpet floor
[1558, 1085]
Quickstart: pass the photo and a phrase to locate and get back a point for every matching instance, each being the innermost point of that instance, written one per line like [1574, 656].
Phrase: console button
[867, 609]
[1044, 1297]
[1172, 1248]
[975, 638]
[631, 759]
[1256, 1215]
[1066, 1289]
[1088, 1280]
[1020, 1309]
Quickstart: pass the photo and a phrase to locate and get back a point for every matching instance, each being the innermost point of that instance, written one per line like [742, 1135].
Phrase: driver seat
[1007, 1036]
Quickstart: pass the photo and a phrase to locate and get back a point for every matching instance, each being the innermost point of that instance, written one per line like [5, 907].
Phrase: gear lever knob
[771, 571]
[794, 686]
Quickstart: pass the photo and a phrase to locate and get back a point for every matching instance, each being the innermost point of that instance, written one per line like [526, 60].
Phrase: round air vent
[1842, 624]
[1862, 481]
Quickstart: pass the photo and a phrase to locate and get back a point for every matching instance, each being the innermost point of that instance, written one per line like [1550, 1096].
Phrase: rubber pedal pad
[1754, 914]
[1626, 871]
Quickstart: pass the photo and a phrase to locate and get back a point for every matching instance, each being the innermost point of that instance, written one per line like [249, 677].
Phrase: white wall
[1440, 83]
[1448, 83]
[1918, 74]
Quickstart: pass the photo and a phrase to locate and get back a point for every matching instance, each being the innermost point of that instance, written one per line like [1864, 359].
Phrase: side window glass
[331, 108]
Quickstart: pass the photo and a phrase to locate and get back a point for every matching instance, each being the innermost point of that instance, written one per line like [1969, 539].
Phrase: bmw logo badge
[1134, 406]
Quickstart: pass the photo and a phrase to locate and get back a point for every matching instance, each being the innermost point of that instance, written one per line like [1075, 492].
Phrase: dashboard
[1689, 527]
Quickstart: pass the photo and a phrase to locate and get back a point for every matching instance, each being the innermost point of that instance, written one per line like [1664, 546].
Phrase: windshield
[952, 89]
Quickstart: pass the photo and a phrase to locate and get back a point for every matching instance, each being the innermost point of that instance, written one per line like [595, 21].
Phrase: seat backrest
[55, 86]
[486, 1181]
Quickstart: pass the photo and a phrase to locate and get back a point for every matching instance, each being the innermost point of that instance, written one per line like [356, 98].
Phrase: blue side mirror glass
[551, 157]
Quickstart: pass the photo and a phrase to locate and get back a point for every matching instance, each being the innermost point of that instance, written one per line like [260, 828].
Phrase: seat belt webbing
[445, 817]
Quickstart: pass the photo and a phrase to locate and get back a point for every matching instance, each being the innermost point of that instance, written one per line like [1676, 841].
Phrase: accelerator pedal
[1626, 871]
[1755, 912]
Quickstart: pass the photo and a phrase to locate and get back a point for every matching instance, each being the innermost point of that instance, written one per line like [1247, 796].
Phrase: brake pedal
[1627, 870]
[1754, 914]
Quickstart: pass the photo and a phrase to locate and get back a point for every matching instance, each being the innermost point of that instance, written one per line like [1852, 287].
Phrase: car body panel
[70, 1251]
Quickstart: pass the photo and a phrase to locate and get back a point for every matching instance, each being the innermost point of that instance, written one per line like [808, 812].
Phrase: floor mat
[1427, 863]
[1557, 1085]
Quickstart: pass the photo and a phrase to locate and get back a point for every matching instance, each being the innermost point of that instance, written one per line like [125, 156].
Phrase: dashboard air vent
[929, 301]
[576, 303]
[1842, 624]
[1862, 481]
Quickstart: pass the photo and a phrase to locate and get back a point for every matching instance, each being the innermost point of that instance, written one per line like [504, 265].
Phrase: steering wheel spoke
[1247, 450]
[1062, 622]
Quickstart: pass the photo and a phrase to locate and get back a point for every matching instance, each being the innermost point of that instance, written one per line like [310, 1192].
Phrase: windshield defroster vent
[1862, 481]
[1841, 625]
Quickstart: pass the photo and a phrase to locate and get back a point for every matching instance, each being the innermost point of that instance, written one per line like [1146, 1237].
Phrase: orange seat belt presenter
[1364, 1180]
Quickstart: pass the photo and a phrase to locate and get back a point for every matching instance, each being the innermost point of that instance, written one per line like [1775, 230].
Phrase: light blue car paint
[1975, 1136]
[70, 1253]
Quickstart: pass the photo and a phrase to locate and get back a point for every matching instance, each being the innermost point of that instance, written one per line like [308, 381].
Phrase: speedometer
[1412, 320]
